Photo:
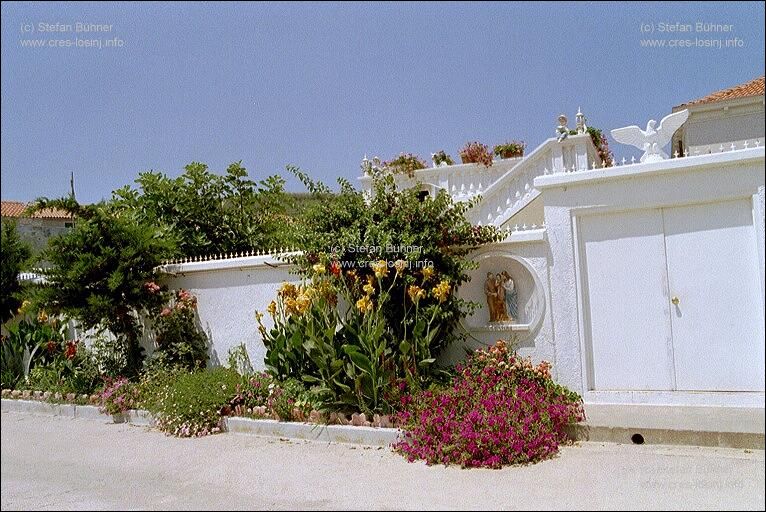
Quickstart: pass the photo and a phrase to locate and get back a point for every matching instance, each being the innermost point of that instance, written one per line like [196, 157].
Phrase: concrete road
[61, 463]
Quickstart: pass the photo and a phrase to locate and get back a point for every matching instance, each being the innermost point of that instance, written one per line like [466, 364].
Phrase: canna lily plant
[332, 331]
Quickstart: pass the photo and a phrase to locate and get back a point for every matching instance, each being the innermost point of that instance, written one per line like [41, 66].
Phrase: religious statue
[511, 296]
[501, 297]
[562, 132]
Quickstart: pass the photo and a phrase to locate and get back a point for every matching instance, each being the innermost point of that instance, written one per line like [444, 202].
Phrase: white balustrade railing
[515, 189]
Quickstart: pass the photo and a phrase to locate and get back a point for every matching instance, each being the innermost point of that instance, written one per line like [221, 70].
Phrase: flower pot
[511, 154]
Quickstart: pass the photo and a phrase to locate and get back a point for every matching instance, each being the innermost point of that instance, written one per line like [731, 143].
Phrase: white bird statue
[652, 140]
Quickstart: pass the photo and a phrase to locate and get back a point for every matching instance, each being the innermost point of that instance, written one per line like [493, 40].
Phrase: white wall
[724, 122]
[525, 256]
[684, 181]
[228, 294]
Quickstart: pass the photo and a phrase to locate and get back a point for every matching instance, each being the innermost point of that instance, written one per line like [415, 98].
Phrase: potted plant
[405, 163]
[442, 159]
[512, 149]
[476, 153]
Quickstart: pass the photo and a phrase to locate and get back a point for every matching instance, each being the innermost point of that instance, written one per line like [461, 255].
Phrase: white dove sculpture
[653, 139]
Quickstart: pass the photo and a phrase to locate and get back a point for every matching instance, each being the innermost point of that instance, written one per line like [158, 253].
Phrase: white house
[642, 283]
[732, 115]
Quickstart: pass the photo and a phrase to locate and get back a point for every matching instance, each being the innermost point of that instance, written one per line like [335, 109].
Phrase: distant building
[39, 227]
[729, 116]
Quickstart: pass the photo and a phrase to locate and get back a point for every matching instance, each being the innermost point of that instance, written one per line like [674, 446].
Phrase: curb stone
[368, 436]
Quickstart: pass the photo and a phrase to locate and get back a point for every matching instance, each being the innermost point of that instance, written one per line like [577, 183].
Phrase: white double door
[672, 299]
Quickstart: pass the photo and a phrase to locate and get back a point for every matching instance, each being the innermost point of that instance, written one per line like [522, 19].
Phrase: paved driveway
[54, 463]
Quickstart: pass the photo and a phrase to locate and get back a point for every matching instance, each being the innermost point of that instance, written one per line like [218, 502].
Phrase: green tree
[14, 254]
[208, 213]
[102, 271]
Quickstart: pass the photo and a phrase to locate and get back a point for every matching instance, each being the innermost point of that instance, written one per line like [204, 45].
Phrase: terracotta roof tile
[15, 209]
[754, 87]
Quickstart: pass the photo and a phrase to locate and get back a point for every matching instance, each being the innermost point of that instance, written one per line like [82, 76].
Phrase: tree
[14, 254]
[102, 271]
[208, 213]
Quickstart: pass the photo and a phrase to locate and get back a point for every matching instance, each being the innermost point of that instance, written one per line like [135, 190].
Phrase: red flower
[165, 312]
[71, 349]
[335, 268]
[51, 346]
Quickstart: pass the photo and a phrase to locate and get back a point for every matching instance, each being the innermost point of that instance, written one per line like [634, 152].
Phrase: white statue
[652, 140]
[562, 132]
[581, 127]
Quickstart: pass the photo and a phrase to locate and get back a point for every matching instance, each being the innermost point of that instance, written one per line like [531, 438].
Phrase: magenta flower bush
[500, 409]
[118, 396]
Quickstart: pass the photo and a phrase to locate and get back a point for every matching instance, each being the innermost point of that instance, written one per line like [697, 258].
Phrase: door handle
[675, 301]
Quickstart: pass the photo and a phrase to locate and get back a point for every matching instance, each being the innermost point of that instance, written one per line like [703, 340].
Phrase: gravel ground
[60, 463]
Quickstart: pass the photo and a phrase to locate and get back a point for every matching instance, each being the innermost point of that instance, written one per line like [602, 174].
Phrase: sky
[320, 86]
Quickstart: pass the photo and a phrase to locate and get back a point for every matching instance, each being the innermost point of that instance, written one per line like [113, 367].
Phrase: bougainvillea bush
[500, 409]
[119, 396]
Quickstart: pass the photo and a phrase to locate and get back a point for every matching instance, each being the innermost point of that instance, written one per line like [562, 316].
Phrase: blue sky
[318, 86]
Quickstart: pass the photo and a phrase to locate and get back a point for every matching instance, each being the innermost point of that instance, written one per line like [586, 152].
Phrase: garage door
[672, 299]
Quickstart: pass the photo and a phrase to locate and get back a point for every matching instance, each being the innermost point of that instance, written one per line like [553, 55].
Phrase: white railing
[505, 187]
[515, 189]
[462, 181]
[725, 147]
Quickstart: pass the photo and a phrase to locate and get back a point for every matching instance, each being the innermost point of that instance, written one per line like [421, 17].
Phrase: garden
[355, 339]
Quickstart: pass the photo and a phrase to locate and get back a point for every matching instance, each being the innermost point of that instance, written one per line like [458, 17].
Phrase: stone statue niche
[502, 297]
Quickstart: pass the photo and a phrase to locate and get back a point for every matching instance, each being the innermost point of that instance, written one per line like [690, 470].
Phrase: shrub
[500, 409]
[70, 370]
[405, 164]
[441, 157]
[288, 397]
[35, 340]
[476, 153]
[14, 253]
[192, 404]
[102, 272]
[509, 149]
[119, 396]
[252, 392]
[208, 213]
[177, 334]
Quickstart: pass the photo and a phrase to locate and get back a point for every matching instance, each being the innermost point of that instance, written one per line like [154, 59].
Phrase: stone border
[349, 434]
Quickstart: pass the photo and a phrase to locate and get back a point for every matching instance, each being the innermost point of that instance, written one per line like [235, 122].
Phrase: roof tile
[754, 87]
[15, 209]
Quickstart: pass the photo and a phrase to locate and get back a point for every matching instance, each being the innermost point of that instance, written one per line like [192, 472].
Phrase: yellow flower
[400, 265]
[272, 308]
[290, 306]
[24, 306]
[42, 316]
[416, 293]
[427, 273]
[364, 304]
[302, 303]
[318, 268]
[380, 268]
[288, 290]
[441, 290]
[369, 289]
[310, 292]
